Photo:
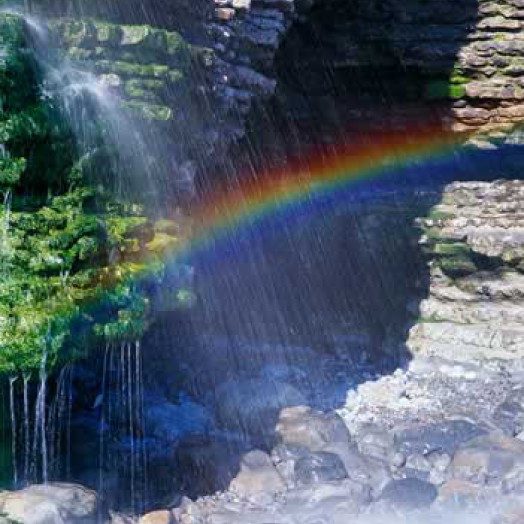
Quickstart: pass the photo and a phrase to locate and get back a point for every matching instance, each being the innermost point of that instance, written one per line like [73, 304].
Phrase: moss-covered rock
[146, 65]
[444, 89]
[77, 264]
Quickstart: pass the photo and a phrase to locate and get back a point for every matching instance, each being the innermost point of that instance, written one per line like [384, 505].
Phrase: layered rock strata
[475, 240]
[457, 64]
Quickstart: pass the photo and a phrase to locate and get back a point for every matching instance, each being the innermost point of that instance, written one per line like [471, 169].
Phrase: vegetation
[76, 265]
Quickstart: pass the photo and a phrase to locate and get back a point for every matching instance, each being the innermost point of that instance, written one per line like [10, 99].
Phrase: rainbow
[310, 185]
[272, 200]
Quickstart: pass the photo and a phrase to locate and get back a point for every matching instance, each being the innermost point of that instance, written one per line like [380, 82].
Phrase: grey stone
[489, 459]
[408, 494]
[56, 503]
[446, 436]
[314, 430]
[257, 476]
[319, 467]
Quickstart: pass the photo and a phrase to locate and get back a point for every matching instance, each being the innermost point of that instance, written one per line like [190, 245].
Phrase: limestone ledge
[475, 242]
[142, 64]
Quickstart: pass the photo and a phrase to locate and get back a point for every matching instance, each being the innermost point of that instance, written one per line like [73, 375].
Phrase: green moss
[152, 112]
[438, 89]
[452, 249]
[436, 214]
[135, 39]
[147, 89]
[63, 286]
[76, 265]
[457, 266]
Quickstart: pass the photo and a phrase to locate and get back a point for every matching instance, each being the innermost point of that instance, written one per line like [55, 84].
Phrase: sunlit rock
[257, 476]
[51, 504]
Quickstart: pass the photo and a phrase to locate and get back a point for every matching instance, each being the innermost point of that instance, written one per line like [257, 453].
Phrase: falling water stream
[122, 422]
[42, 439]
[41, 435]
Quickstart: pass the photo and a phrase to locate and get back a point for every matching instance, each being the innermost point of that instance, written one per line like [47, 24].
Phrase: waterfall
[39, 435]
[98, 119]
[59, 424]
[142, 421]
[4, 247]
[130, 377]
[121, 402]
[12, 409]
[102, 427]
[38, 449]
[27, 436]
[69, 414]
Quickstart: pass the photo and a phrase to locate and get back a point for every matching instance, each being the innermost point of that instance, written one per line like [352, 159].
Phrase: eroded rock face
[475, 238]
[395, 64]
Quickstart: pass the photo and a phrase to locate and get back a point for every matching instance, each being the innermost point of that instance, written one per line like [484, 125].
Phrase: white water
[6, 220]
[40, 471]
[59, 425]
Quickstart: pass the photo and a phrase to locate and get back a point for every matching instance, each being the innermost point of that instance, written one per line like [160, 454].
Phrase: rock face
[456, 64]
[459, 61]
[202, 83]
[475, 238]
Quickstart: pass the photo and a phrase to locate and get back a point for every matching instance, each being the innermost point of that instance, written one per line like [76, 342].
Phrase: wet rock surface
[51, 504]
[439, 435]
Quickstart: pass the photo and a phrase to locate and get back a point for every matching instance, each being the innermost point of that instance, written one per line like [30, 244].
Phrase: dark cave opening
[337, 289]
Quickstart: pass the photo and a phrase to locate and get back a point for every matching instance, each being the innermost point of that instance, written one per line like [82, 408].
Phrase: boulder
[301, 426]
[375, 442]
[424, 439]
[490, 460]
[51, 504]
[361, 469]
[319, 467]
[257, 476]
[459, 492]
[157, 517]
[408, 494]
[338, 499]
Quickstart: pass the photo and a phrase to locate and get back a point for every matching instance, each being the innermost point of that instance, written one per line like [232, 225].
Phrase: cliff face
[380, 63]
[192, 76]
[198, 82]
[475, 240]
[398, 63]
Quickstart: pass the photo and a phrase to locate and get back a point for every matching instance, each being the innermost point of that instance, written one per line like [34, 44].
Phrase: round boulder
[319, 467]
[408, 494]
[51, 504]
